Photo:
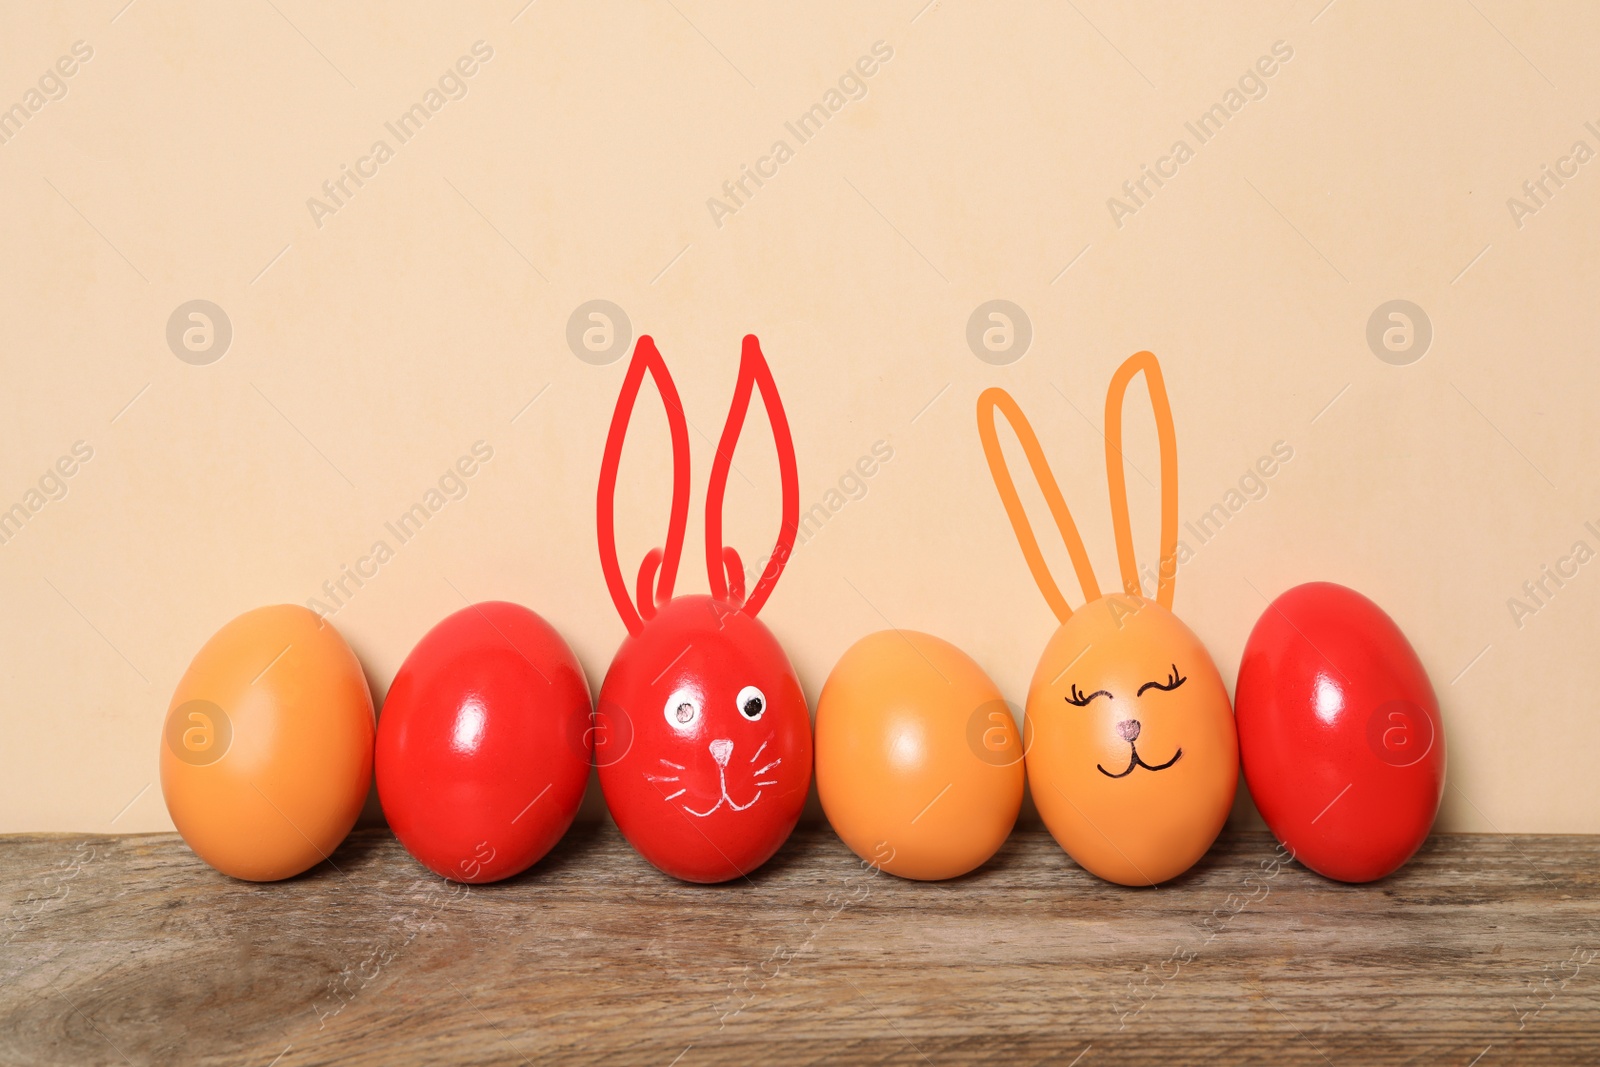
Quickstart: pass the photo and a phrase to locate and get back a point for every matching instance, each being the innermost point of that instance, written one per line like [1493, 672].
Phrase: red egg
[703, 741]
[702, 736]
[1339, 733]
[484, 743]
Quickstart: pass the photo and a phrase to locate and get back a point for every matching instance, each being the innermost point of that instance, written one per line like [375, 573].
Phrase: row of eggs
[704, 743]
[488, 736]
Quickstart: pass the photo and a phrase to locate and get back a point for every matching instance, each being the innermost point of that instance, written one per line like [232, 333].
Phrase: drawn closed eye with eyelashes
[1173, 681]
[1078, 699]
[1108, 687]
[705, 758]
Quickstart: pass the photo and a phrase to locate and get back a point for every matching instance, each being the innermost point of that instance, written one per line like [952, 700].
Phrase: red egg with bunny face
[702, 734]
[718, 758]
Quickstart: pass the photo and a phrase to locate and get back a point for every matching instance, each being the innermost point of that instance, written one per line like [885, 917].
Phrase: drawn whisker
[769, 766]
[769, 781]
[669, 763]
[760, 750]
[679, 793]
[660, 778]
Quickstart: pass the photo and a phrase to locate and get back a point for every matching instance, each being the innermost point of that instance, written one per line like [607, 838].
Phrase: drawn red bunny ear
[653, 588]
[722, 562]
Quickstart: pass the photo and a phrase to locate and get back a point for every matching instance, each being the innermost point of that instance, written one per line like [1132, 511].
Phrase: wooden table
[1485, 950]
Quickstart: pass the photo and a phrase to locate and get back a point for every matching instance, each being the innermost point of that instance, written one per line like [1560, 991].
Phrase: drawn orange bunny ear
[653, 588]
[1156, 385]
[722, 562]
[997, 398]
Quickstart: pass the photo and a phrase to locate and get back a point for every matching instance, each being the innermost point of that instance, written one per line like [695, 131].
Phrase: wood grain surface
[1485, 950]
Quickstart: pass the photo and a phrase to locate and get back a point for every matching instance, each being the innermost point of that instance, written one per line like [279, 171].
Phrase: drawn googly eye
[683, 709]
[752, 702]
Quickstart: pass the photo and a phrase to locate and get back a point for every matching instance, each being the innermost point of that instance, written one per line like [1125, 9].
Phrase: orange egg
[1132, 754]
[266, 756]
[1133, 757]
[919, 764]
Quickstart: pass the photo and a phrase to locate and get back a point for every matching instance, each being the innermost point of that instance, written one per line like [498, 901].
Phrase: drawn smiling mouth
[723, 799]
[1138, 761]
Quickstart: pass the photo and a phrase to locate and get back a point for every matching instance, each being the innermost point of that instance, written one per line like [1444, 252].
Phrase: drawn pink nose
[1129, 729]
[721, 749]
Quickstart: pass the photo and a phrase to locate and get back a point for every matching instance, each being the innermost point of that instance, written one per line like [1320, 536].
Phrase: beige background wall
[430, 310]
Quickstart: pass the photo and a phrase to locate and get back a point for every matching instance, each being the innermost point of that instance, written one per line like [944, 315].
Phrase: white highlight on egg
[471, 723]
[1329, 699]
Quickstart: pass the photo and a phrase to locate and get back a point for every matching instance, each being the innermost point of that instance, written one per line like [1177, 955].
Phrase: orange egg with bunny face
[1132, 755]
